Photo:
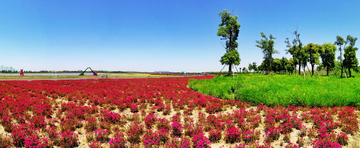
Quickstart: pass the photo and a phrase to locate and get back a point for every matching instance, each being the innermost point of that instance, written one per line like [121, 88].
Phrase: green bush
[273, 90]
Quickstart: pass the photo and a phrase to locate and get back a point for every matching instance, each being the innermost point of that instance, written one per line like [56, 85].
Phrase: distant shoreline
[61, 77]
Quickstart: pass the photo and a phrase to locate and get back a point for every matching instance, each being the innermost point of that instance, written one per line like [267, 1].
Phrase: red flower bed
[158, 112]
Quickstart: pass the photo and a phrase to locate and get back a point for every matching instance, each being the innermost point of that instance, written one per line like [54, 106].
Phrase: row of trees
[310, 53]
[282, 65]
[229, 30]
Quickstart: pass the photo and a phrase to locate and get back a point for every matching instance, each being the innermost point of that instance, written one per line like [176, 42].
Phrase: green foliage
[260, 69]
[9, 71]
[217, 72]
[276, 65]
[267, 46]
[245, 70]
[283, 90]
[357, 69]
[229, 28]
[217, 87]
[254, 67]
[340, 42]
[263, 66]
[250, 67]
[313, 53]
[229, 31]
[300, 55]
[230, 57]
[290, 66]
[303, 56]
[350, 60]
[284, 62]
[328, 56]
[292, 50]
[337, 68]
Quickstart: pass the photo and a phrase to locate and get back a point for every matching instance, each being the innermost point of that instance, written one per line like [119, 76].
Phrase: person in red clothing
[21, 73]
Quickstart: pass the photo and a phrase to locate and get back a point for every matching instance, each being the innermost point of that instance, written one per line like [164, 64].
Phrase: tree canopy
[350, 60]
[254, 66]
[301, 55]
[230, 57]
[250, 67]
[293, 50]
[313, 53]
[283, 62]
[276, 64]
[290, 66]
[327, 55]
[229, 31]
[340, 42]
[267, 46]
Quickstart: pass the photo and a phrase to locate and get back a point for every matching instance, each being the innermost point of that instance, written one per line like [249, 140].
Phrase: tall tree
[267, 46]
[303, 58]
[254, 66]
[327, 55]
[290, 66]
[283, 62]
[229, 31]
[260, 67]
[250, 67]
[313, 52]
[293, 50]
[276, 65]
[350, 60]
[340, 42]
[300, 52]
[264, 66]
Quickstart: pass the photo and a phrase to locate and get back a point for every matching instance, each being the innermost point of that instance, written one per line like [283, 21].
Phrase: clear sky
[153, 35]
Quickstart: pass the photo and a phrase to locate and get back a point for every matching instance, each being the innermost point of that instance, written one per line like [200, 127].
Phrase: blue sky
[169, 35]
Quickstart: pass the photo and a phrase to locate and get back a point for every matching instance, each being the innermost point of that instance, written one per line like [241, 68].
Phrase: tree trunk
[294, 65]
[349, 72]
[270, 61]
[304, 72]
[230, 70]
[309, 70]
[342, 67]
[345, 73]
[327, 70]
[312, 69]
[299, 68]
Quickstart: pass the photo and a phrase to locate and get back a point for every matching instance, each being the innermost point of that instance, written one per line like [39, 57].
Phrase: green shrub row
[274, 90]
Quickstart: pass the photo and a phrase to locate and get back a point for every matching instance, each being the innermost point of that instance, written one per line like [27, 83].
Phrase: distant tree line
[308, 54]
[302, 55]
[9, 71]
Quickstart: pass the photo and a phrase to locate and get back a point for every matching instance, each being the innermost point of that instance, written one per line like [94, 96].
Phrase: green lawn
[273, 90]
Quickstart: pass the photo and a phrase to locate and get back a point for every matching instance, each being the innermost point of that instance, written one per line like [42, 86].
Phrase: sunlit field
[285, 90]
[159, 112]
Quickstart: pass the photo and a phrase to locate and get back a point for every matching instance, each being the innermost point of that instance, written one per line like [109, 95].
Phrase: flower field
[159, 112]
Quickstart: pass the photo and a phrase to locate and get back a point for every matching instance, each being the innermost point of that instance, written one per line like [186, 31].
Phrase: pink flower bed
[157, 112]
